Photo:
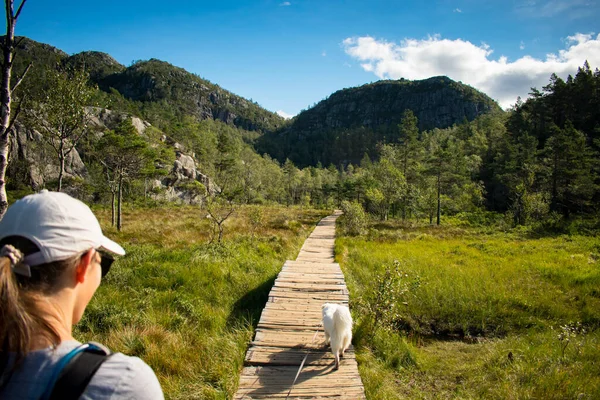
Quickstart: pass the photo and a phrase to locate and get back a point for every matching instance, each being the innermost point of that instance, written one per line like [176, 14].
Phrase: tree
[292, 181]
[62, 117]
[446, 163]
[125, 155]
[410, 156]
[569, 162]
[219, 208]
[390, 187]
[7, 118]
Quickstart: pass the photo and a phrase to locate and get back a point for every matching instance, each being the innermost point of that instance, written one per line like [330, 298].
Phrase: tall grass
[186, 307]
[486, 320]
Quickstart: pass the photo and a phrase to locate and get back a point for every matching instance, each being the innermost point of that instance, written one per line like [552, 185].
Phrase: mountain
[188, 94]
[154, 90]
[338, 130]
[99, 65]
[351, 122]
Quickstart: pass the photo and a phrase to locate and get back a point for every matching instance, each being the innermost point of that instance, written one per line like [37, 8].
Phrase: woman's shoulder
[124, 377]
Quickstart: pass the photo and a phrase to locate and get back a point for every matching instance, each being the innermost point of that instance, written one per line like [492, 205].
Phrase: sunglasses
[106, 261]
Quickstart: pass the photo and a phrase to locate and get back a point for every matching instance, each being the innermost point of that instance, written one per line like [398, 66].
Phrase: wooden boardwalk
[290, 330]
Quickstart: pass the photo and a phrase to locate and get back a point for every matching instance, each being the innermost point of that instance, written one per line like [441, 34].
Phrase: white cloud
[461, 60]
[522, 45]
[284, 114]
[285, 4]
[457, 10]
[324, 53]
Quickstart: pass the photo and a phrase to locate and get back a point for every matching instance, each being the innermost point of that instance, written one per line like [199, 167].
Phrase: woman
[53, 256]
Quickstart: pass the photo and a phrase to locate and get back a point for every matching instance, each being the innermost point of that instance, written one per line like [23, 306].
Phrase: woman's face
[90, 283]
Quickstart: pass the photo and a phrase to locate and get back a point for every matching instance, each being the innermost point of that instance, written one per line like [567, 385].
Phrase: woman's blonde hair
[21, 320]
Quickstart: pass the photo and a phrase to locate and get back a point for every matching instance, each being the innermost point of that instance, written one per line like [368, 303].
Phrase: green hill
[155, 90]
[351, 122]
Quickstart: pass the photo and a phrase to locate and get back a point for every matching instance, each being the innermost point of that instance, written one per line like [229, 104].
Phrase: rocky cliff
[351, 122]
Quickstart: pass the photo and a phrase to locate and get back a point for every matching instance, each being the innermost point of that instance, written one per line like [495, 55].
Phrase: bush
[355, 219]
[384, 304]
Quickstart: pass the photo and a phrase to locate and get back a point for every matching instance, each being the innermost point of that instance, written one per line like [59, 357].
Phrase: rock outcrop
[36, 164]
[37, 160]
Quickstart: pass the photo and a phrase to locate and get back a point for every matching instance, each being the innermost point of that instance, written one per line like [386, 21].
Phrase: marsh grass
[486, 320]
[185, 307]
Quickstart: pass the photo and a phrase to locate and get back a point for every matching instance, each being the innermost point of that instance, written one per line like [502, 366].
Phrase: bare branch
[21, 78]
[11, 122]
[17, 44]
[19, 10]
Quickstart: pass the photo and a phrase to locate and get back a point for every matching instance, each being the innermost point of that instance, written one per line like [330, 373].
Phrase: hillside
[154, 90]
[351, 122]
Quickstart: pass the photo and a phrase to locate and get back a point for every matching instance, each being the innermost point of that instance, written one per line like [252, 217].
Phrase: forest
[535, 162]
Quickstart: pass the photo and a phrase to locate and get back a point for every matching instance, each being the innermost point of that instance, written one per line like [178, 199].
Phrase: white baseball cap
[58, 224]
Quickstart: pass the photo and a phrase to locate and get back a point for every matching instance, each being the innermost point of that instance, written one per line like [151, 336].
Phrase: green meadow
[186, 307]
[495, 315]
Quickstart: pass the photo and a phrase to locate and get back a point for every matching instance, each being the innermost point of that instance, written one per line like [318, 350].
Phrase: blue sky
[288, 55]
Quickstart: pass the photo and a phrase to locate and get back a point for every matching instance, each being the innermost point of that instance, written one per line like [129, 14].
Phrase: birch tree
[7, 117]
[61, 115]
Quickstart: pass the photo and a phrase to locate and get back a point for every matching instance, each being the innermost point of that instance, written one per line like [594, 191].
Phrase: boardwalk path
[290, 330]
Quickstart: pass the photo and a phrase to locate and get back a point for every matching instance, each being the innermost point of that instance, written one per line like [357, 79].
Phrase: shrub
[355, 218]
[385, 303]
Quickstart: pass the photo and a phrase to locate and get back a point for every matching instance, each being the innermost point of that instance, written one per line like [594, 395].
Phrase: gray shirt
[119, 377]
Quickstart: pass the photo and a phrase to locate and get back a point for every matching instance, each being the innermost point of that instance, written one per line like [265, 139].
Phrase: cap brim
[111, 246]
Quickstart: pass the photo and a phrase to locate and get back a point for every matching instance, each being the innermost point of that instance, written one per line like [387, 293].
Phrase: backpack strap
[75, 371]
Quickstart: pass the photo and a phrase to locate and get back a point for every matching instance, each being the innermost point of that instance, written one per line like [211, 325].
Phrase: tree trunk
[120, 200]
[405, 197]
[439, 199]
[112, 207]
[61, 170]
[554, 201]
[4, 147]
[220, 232]
[5, 98]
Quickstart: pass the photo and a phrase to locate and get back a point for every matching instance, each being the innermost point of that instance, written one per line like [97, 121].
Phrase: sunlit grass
[186, 307]
[486, 319]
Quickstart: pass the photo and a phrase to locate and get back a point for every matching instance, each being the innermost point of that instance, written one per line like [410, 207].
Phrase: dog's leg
[345, 346]
[327, 338]
[337, 360]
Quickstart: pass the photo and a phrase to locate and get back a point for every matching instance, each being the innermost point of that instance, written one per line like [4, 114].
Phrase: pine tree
[568, 161]
[125, 155]
[410, 157]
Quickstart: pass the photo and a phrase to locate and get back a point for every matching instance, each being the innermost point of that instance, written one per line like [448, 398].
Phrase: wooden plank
[308, 286]
[312, 274]
[265, 355]
[298, 295]
[289, 330]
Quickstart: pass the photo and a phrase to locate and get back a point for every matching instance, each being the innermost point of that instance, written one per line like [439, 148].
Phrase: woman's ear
[85, 262]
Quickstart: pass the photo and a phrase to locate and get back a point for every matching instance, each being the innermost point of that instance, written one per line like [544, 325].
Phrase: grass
[186, 307]
[485, 321]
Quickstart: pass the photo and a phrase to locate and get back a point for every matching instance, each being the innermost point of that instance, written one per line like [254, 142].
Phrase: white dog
[337, 323]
